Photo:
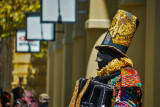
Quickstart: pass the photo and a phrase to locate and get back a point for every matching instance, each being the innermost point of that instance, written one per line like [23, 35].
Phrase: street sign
[35, 30]
[23, 45]
[58, 11]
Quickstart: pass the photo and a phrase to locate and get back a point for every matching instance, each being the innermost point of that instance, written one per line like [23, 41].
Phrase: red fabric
[130, 77]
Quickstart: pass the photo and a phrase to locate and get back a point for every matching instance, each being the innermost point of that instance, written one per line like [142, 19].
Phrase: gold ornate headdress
[121, 32]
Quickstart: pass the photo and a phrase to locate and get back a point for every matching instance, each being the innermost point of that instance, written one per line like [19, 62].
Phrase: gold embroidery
[115, 65]
[122, 28]
[74, 96]
[82, 92]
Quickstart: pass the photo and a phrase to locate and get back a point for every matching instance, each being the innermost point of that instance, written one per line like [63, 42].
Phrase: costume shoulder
[130, 77]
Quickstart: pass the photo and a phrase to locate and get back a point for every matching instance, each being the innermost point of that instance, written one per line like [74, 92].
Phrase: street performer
[117, 83]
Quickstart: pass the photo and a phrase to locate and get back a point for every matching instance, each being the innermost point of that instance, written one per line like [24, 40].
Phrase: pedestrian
[43, 100]
[29, 100]
[5, 99]
[17, 95]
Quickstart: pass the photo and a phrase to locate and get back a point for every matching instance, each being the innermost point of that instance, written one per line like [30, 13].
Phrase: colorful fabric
[127, 97]
[126, 89]
[130, 77]
[116, 84]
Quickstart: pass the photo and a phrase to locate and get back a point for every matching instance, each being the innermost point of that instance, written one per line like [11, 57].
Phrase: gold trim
[74, 96]
[115, 65]
[123, 28]
[82, 93]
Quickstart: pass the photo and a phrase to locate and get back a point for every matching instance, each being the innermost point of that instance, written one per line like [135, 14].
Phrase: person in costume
[117, 83]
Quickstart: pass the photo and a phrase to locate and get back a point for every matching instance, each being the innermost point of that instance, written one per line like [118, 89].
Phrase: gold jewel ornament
[115, 65]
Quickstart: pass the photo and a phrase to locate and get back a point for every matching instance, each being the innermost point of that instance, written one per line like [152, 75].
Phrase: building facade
[72, 55]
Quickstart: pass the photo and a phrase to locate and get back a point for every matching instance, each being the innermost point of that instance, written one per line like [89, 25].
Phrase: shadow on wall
[36, 78]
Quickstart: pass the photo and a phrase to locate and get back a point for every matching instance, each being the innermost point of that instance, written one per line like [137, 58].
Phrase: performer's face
[104, 56]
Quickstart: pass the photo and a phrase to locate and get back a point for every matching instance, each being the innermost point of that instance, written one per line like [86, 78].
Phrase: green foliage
[43, 50]
[12, 16]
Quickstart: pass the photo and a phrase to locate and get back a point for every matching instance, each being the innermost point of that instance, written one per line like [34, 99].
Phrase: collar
[115, 65]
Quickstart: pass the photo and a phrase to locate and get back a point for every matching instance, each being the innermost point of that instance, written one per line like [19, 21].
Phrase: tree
[12, 16]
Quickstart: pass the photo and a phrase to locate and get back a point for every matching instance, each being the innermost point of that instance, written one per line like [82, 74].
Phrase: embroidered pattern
[74, 96]
[115, 83]
[125, 94]
[130, 77]
[127, 97]
[123, 27]
[107, 38]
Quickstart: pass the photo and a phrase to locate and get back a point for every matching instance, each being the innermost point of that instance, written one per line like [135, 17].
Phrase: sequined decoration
[123, 27]
[128, 97]
[115, 83]
[74, 96]
[107, 38]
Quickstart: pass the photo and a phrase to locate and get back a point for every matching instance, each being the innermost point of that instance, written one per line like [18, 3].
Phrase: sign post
[24, 46]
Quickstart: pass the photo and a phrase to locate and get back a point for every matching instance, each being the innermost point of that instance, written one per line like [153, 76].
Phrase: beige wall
[96, 25]
[57, 74]
[67, 66]
[79, 47]
[152, 87]
[49, 76]
[92, 64]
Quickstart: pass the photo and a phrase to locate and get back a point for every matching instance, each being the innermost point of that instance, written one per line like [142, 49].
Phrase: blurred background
[71, 55]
